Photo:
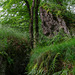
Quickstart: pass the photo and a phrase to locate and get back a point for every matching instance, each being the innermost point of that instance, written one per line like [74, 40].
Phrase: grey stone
[51, 24]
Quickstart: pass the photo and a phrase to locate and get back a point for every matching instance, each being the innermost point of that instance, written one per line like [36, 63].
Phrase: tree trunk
[28, 6]
[36, 20]
[31, 25]
[31, 12]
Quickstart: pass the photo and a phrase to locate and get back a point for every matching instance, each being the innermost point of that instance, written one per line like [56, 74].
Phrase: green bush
[14, 48]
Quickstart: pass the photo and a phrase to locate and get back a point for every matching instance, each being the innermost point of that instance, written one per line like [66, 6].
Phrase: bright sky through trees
[1, 8]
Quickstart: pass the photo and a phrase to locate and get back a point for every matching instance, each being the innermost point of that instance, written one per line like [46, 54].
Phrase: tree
[31, 20]
[35, 4]
[29, 6]
[23, 15]
[36, 20]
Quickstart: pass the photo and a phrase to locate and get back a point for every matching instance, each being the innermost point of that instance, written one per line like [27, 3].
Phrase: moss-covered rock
[55, 18]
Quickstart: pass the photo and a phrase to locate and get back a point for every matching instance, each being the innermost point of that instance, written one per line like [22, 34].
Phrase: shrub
[14, 48]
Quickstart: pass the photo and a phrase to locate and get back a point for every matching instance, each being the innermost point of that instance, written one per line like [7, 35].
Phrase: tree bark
[36, 20]
[28, 6]
[31, 20]
[31, 24]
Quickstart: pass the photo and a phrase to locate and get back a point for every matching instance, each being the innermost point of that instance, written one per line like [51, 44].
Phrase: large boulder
[51, 24]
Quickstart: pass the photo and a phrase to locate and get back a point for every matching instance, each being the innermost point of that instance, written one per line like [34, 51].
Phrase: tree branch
[28, 6]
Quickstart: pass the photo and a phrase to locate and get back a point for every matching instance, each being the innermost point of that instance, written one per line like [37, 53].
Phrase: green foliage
[60, 37]
[49, 54]
[49, 58]
[14, 48]
[15, 15]
[63, 2]
[59, 11]
[10, 35]
[46, 41]
[55, 9]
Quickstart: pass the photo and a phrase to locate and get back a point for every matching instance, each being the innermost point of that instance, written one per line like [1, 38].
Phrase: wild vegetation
[14, 49]
[30, 45]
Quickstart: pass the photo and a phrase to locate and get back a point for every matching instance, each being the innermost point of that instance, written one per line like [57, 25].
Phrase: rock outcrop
[51, 24]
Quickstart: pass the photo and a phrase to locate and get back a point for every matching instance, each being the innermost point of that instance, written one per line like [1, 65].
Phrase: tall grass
[51, 59]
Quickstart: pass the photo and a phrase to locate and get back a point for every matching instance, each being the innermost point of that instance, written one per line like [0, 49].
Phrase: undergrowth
[57, 59]
[14, 49]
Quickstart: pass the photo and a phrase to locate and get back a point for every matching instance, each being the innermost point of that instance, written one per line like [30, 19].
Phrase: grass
[56, 48]
[49, 56]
